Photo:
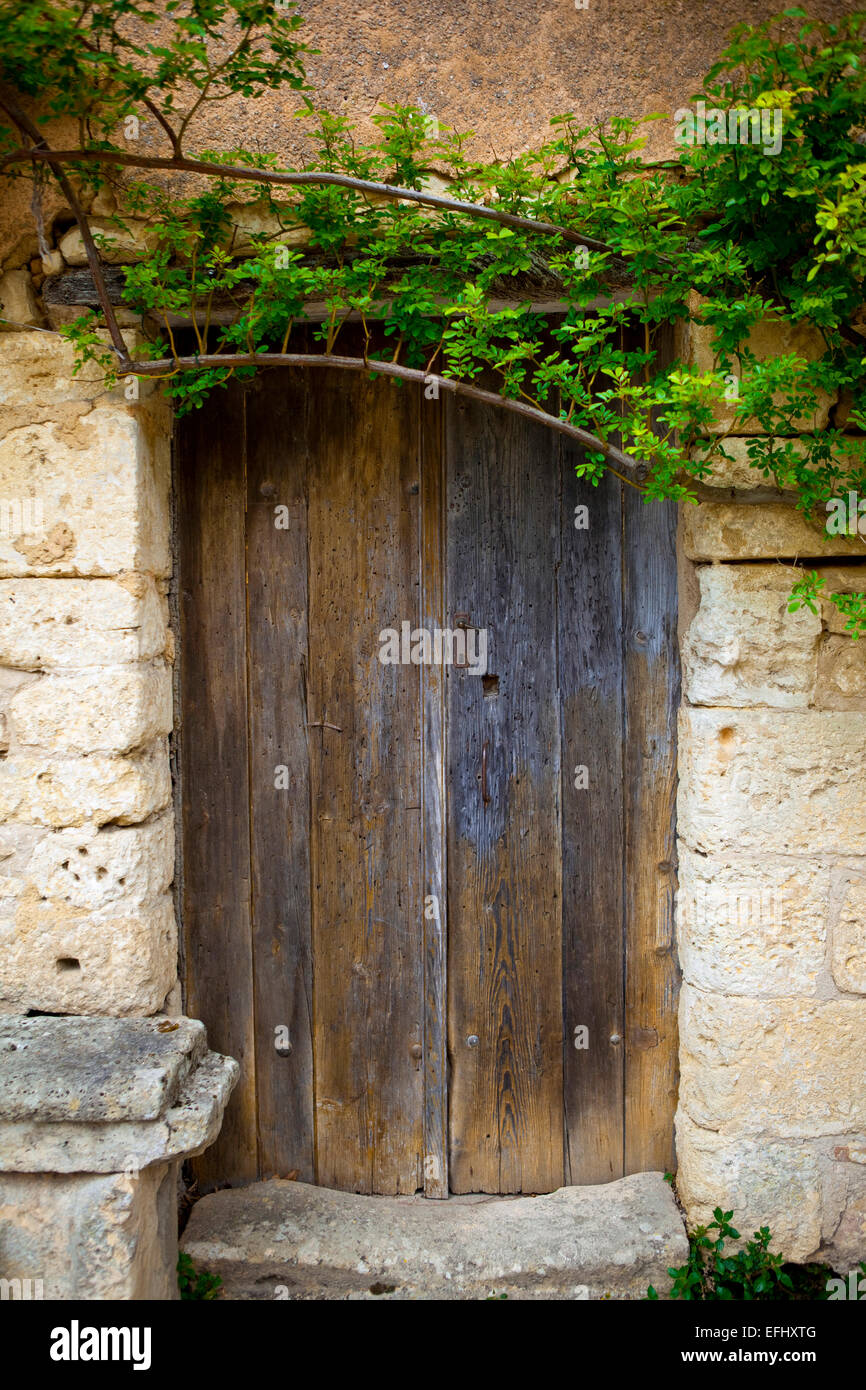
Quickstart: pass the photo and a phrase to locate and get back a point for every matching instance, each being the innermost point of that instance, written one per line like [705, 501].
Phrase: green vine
[439, 257]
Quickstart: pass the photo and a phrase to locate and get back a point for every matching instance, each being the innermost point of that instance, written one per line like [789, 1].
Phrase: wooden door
[428, 909]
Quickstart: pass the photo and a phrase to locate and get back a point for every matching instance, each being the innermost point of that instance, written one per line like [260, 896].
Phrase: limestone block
[86, 868]
[117, 245]
[72, 247]
[60, 792]
[52, 264]
[751, 926]
[780, 1068]
[770, 338]
[772, 781]
[841, 682]
[254, 220]
[10, 681]
[36, 370]
[17, 301]
[92, 1237]
[98, 1094]
[58, 315]
[173, 1006]
[97, 710]
[735, 471]
[743, 647]
[104, 202]
[764, 1183]
[58, 958]
[759, 531]
[95, 494]
[17, 846]
[89, 868]
[839, 579]
[49, 623]
[844, 1244]
[849, 938]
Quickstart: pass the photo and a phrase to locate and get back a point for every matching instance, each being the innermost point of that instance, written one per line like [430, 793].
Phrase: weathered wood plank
[75, 290]
[214, 771]
[505, 946]
[279, 770]
[434, 802]
[591, 678]
[652, 696]
[365, 789]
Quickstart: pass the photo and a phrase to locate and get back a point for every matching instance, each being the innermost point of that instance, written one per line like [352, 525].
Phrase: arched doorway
[428, 906]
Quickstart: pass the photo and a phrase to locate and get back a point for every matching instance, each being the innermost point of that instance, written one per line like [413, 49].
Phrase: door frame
[648, 899]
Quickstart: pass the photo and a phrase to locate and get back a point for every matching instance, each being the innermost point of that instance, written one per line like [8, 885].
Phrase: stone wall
[86, 833]
[772, 901]
[772, 809]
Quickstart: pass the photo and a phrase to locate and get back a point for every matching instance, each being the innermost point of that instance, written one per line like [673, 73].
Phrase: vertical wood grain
[652, 696]
[505, 927]
[280, 831]
[434, 801]
[364, 576]
[214, 770]
[591, 681]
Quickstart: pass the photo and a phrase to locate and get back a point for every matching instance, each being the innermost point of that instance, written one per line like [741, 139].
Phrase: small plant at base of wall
[196, 1286]
[754, 1273]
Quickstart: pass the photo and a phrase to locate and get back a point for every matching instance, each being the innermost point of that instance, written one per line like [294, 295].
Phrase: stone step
[282, 1239]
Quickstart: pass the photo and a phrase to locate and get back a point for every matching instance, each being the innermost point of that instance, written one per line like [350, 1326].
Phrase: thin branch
[305, 178]
[169, 129]
[41, 151]
[635, 471]
[288, 334]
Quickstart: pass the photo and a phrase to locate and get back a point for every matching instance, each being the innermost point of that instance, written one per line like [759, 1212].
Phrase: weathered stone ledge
[95, 1115]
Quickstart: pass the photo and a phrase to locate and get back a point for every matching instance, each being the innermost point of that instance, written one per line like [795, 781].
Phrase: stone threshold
[290, 1240]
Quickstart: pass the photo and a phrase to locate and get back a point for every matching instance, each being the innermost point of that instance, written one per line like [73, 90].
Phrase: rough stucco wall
[500, 70]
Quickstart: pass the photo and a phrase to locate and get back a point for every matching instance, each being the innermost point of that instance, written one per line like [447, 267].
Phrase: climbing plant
[759, 216]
